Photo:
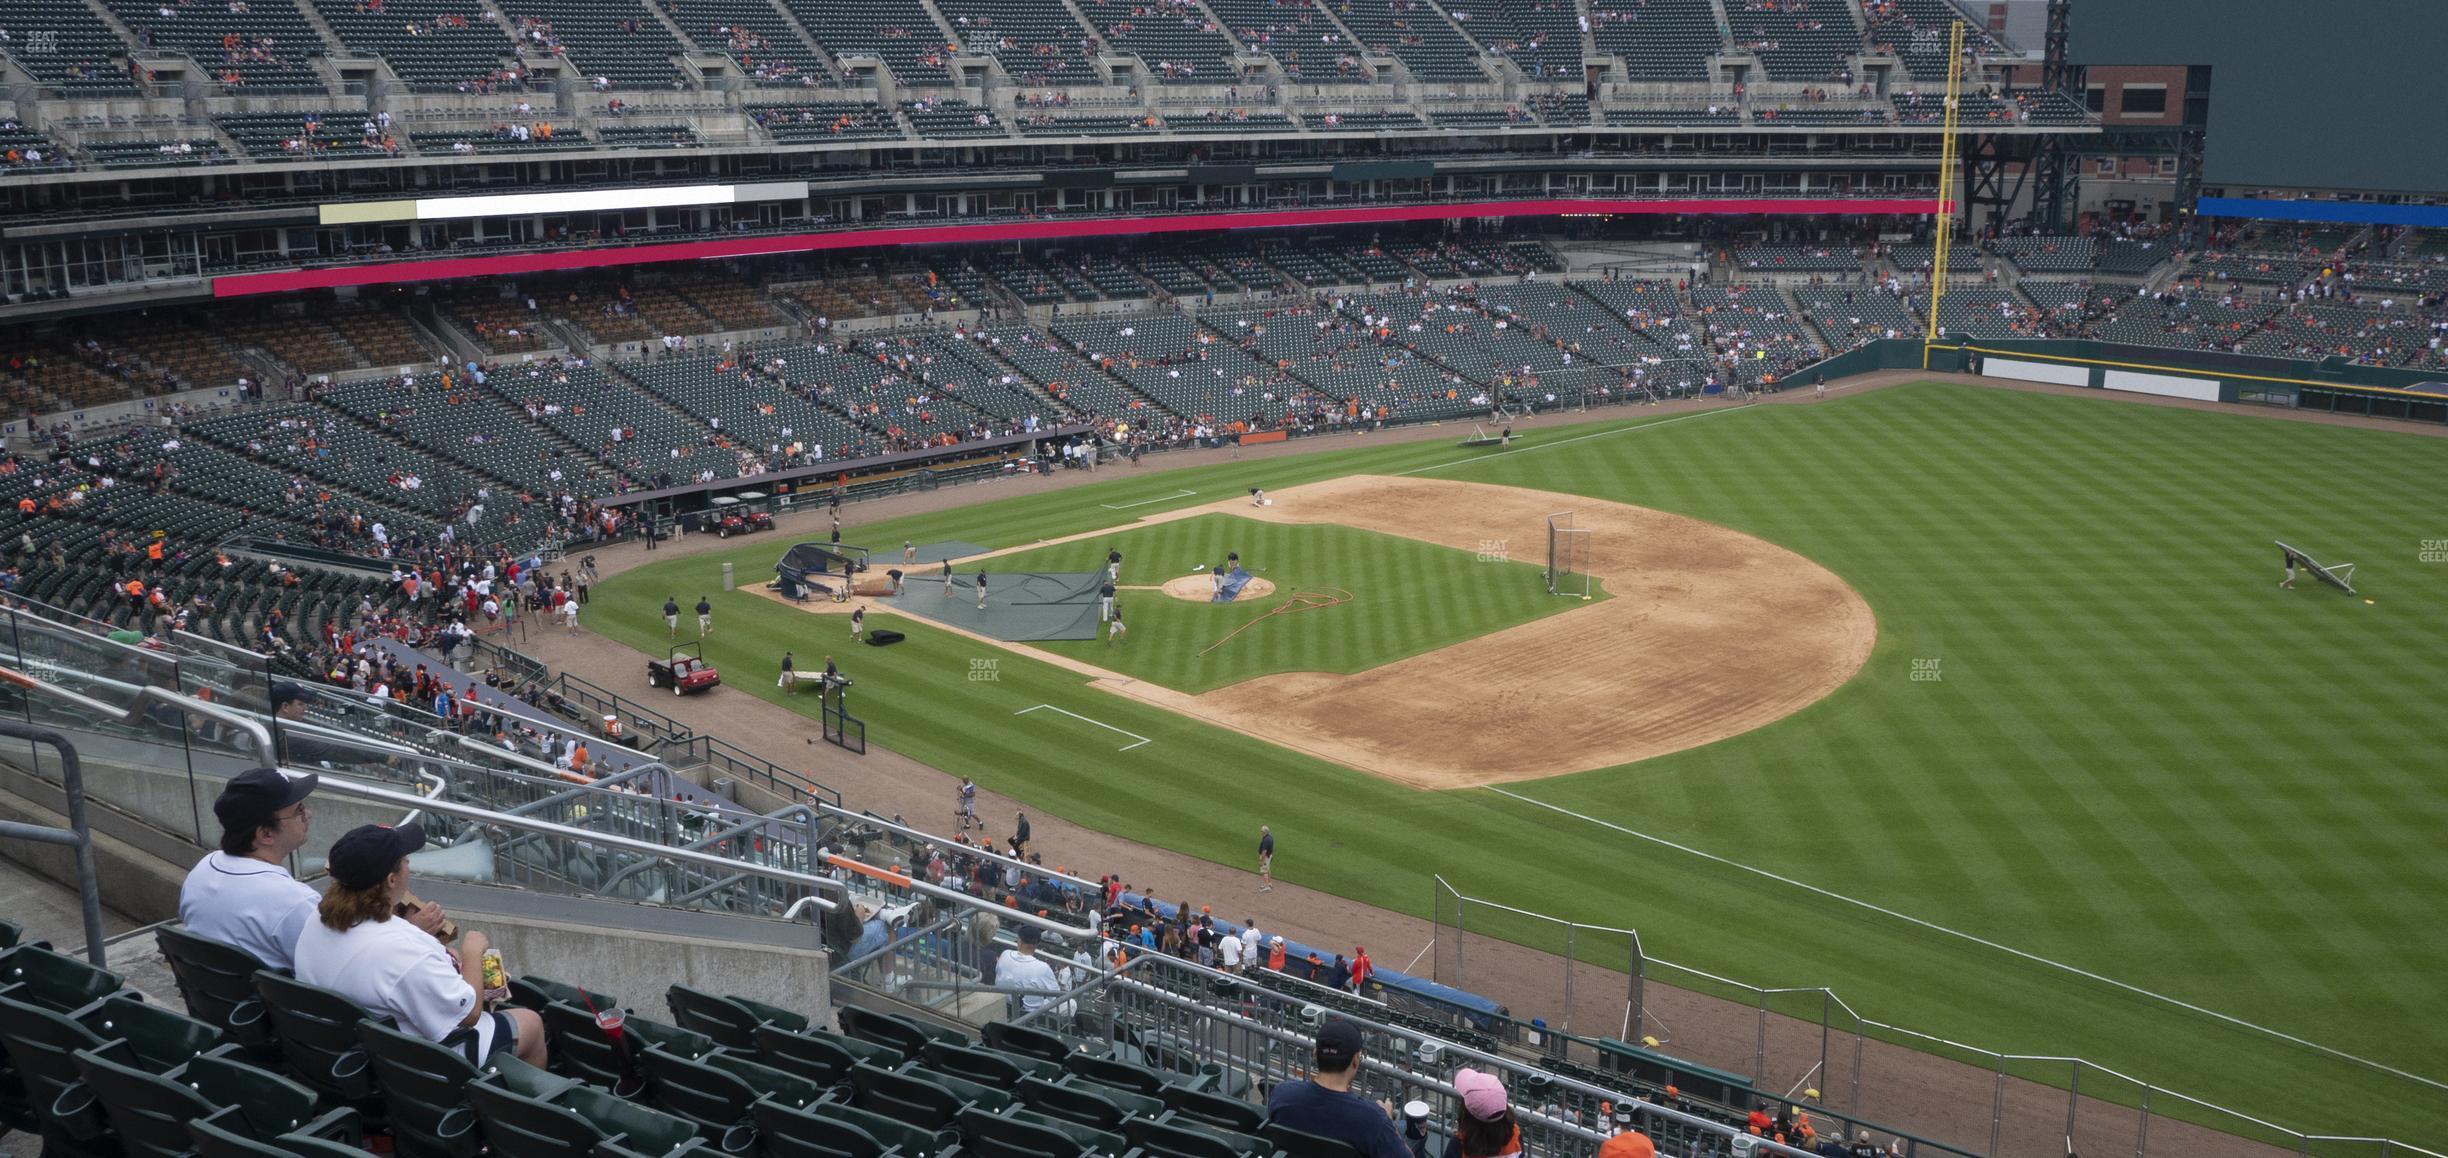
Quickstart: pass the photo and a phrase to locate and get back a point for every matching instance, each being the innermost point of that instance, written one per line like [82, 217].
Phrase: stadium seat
[317, 1029]
[528, 1113]
[927, 1104]
[1124, 1075]
[41, 1046]
[908, 1035]
[1303, 1144]
[536, 992]
[57, 982]
[715, 1093]
[424, 1087]
[912, 1140]
[150, 1111]
[817, 1055]
[1021, 1039]
[161, 1038]
[1190, 1138]
[731, 1021]
[1214, 1109]
[785, 1132]
[217, 982]
[1084, 1103]
[581, 1049]
[995, 1136]
[988, 1066]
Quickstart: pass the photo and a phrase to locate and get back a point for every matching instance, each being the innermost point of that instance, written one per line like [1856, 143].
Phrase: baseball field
[1981, 707]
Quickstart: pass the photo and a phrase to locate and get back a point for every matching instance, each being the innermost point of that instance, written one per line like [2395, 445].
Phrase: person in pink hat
[1488, 1127]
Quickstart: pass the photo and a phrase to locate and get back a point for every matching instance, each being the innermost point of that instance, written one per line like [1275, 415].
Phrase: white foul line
[1144, 502]
[1098, 723]
[1729, 409]
[1984, 942]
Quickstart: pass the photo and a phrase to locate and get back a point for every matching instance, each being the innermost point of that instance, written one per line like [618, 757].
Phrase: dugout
[1657, 1069]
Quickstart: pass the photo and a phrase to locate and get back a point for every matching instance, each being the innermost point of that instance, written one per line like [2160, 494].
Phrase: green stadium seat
[927, 1104]
[1180, 1137]
[817, 1055]
[1021, 1039]
[55, 981]
[317, 1029]
[535, 992]
[1100, 1141]
[730, 1021]
[1084, 1103]
[994, 1136]
[41, 1046]
[219, 985]
[784, 1132]
[162, 1039]
[1213, 1109]
[580, 1049]
[1303, 1144]
[528, 1113]
[716, 1093]
[907, 1034]
[911, 1139]
[424, 1088]
[150, 1111]
[988, 1066]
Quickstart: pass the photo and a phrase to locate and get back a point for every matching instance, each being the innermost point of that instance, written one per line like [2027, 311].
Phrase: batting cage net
[1567, 557]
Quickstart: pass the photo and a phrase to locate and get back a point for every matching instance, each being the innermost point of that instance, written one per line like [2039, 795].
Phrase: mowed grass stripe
[2104, 566]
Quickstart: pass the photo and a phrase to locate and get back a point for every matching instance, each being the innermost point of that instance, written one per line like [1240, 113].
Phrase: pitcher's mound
[1200, 588]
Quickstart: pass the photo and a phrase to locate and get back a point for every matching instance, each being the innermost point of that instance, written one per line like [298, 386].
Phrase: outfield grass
[1407, 597]
[2140, 758]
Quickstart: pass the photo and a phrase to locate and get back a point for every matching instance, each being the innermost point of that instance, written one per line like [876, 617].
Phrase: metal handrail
[718, 836]
[490, 817]
[76, 836]
[149, 695]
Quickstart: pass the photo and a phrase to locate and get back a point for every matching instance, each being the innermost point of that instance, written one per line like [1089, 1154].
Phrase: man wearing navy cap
[1325, 1104]
[241, 894]
[289, 702]
[1022, 968]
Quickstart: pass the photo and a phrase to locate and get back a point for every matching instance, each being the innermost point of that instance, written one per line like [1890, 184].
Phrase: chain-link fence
[1805, 1046]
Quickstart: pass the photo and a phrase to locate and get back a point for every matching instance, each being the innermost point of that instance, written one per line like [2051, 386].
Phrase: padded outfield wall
[2331, 384]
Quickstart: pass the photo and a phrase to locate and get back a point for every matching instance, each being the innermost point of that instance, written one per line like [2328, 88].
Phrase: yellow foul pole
[1946, 186]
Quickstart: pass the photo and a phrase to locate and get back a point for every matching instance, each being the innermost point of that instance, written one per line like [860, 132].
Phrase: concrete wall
[597, 948]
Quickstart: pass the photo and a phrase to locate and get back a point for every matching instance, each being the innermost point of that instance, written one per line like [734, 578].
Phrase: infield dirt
[1708, 633]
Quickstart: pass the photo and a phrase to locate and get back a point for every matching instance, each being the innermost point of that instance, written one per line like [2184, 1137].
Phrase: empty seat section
[824, 121]
[77, 59]
[1415, 34]
[260, 46]
[1038, 43]
[1799, 40]
[434, 45]
[1176, 39]
[755, 35]
[621, 42]
[899, 33]
[1313, 49]
[952, 118]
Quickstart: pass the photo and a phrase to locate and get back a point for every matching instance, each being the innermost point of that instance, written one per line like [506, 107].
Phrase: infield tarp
[1020, 605]
[1230, 589]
